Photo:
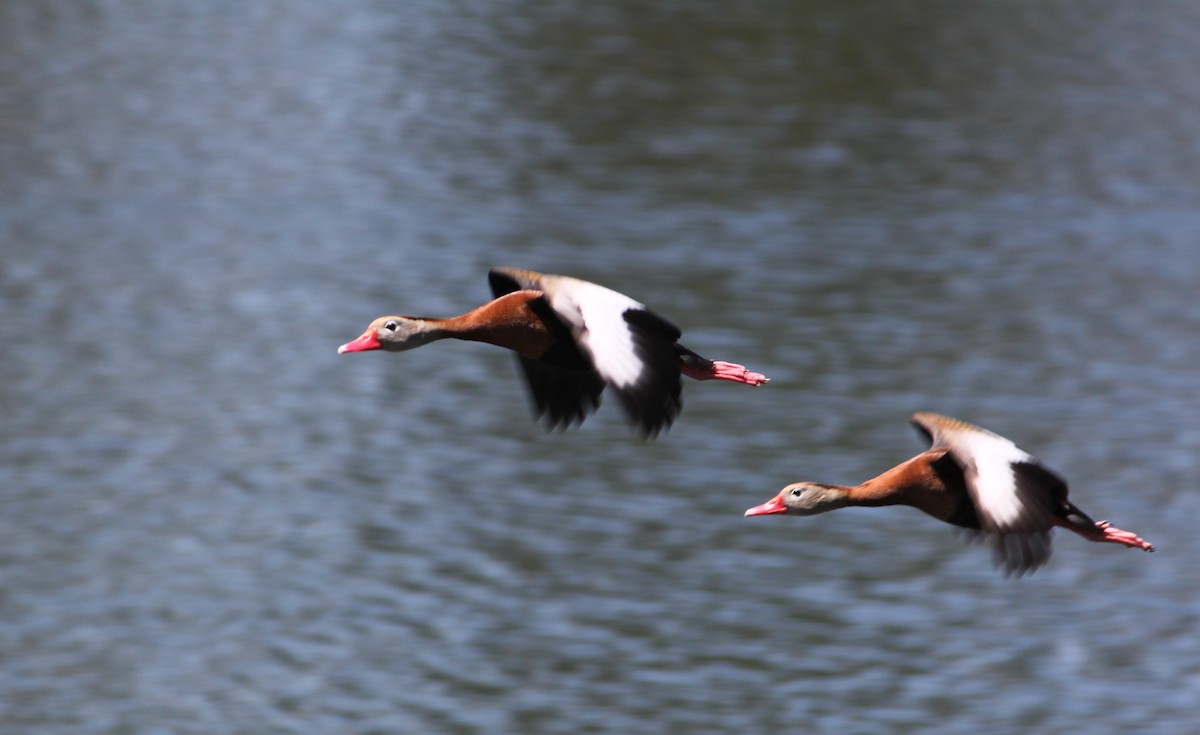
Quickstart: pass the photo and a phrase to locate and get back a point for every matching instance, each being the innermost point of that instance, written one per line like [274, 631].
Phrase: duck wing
[1014, 494]
[563, 384]
[630, 347]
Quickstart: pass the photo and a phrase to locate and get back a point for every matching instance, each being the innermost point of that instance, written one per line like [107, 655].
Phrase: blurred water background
[212, 523]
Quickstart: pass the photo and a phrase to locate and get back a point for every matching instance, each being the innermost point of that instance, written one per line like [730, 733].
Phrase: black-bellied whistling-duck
[572, 339]
[970, 478]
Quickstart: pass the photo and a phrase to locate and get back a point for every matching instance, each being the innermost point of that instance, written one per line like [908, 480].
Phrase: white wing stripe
[995, 481]
[597, 318]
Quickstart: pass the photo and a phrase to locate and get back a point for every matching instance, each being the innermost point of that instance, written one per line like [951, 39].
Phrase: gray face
[809, 498]
[399, 333]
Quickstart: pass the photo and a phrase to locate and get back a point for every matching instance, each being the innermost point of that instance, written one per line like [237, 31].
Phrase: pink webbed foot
[1112, 534]
[722, 370]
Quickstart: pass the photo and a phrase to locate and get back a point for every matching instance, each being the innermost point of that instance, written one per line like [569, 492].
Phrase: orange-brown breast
[930, 481]
[507, 322]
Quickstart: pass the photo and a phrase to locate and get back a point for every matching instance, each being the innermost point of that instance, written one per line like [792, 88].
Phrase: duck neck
[898, 486]
[913, 482]
[506, 322]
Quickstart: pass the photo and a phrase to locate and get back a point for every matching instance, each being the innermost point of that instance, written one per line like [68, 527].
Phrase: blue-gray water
[212, 523]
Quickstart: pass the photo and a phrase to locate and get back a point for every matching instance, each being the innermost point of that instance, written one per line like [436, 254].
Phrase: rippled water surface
[212, 523]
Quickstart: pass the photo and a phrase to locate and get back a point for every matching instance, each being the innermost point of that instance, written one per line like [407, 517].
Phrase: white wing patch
[597, 318]
[993, 479]
[1012, 492]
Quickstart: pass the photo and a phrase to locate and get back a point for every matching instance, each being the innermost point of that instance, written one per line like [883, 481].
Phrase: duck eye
[797, 492]
[391, 326]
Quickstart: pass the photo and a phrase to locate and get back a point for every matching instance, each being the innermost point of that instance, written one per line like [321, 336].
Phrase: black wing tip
[502, 281]
[561, 417]
[653, 323]
[650, 429]
[653, 406]
[654, 400]
[1019, 554]
[561, 398]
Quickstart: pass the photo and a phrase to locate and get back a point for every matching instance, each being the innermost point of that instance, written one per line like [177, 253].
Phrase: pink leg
[1107, 532]
[721, 370]
[1128, 538]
